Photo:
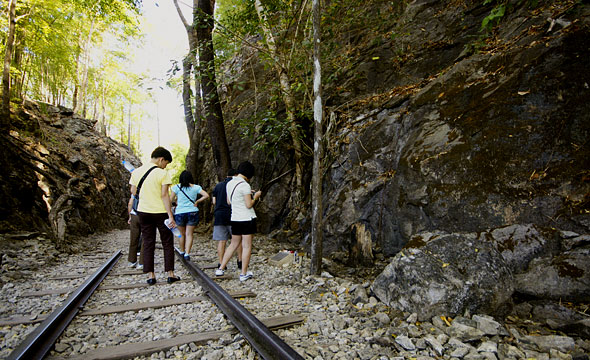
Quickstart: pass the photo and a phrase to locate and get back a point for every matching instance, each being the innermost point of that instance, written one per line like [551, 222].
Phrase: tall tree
[203, 21]
[5, 117]
[190, 63]
[281, 67]
[318, 148]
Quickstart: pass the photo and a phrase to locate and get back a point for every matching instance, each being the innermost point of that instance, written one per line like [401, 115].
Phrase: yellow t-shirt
[150, 196]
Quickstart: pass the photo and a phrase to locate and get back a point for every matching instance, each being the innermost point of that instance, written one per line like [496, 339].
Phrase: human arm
[129, 207]
[204, 196]
[250, 199]
[168, 204]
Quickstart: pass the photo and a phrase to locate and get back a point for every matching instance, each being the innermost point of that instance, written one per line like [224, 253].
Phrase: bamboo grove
[58, 55]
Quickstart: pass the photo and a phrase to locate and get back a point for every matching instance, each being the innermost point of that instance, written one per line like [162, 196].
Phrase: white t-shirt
[236, 189]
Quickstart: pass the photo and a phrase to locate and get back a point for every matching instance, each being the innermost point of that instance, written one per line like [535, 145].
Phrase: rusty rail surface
[262, 339]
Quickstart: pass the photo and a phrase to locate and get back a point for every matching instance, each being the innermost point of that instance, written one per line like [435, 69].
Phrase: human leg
[240, 251]
[140, 250]
[246, 252]
[148, 234]
[134, 234]
[235, 242]
[221, 249]
[192, 221]
[221, 234]
[181, 222]
[189, 238]
[182, 240]
[248, 230]
[167, 240]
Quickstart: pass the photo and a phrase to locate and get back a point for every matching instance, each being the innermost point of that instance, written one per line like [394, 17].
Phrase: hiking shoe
[139, 267]
[248, 276]
[239, 265]
[219, 272]
[130, 264]
[187, 257]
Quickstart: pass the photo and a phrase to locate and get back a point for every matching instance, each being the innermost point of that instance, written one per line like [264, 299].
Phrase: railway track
[93, 321]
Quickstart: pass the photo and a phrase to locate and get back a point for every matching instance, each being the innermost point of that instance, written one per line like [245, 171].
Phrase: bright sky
[165, 40]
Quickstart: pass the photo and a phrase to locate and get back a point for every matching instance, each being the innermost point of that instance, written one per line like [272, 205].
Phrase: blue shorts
[221, 232]
[187, 219]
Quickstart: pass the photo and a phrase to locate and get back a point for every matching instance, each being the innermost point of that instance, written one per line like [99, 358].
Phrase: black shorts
[243, 227]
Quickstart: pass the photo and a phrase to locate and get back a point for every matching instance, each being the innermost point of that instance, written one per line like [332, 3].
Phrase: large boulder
[439, 273]
[564, 277]
[520, 244]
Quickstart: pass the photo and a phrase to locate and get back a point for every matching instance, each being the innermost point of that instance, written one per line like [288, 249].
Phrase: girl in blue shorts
[186, 214]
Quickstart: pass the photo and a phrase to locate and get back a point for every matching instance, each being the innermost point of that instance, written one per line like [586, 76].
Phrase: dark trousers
[149, 223]
[134, 240]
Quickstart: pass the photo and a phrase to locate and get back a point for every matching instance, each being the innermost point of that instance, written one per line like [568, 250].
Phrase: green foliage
[266, 130]
[494, 17]
[178, 163]
[500, 9]
[62, 45]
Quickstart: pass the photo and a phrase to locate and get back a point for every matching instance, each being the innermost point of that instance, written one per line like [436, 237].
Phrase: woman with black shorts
[243, 218]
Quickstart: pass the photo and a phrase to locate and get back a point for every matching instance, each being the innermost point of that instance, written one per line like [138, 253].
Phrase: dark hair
[246, 168]
[232, 172]
[185, 179]
[160, 152]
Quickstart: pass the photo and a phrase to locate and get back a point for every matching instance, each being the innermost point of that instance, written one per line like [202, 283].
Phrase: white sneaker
[248, 276]
[139, 267]
[130, 264]
[219, 272]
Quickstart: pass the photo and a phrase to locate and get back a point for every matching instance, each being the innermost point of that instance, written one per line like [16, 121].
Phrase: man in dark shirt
[222, 215]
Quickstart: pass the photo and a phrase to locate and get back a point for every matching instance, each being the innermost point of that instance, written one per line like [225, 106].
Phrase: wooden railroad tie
[145, 348]
[16, 320]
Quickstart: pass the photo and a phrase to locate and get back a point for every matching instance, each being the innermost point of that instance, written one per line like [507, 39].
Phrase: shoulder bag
[232, 192]
[136, 196]
[180, 188]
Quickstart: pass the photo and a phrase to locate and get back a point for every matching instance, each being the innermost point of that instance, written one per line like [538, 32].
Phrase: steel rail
[262, 339]
[38, 343]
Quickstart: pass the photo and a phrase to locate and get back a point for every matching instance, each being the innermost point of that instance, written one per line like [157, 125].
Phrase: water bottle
[174, 230]
[128, 166]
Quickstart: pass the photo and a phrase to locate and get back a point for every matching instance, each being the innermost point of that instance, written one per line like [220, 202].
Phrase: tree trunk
[189, 64]
[203, 20]
[360, 250]
[288, 99]
[5, 118]
[318, 150]
[129, 124]
[76, 83]
[192, 154]
[103, 127]
[86, 65]
[24, 77]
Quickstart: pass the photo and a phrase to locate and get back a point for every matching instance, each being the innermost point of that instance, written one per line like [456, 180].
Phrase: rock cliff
[442, 130]
[60, 176]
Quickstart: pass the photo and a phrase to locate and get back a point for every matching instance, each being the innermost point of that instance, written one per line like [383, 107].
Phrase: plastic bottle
[174, 230]
[128, 166]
